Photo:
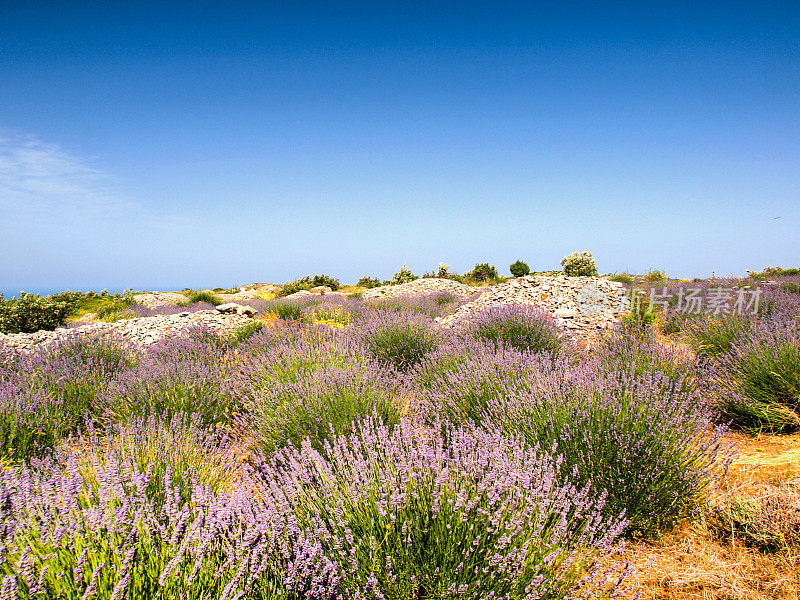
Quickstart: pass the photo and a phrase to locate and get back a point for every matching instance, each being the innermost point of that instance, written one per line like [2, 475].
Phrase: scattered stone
[232, 307]
[321, 289]
[426, 285]
[138, 332]
[240, 296]
[159, 299]
[299, 294]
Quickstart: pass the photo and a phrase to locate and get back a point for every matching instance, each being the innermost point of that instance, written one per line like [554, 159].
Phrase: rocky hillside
[574, 302]
[138, 332]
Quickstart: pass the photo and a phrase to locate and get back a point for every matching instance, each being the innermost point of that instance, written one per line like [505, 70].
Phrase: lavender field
[337, 448]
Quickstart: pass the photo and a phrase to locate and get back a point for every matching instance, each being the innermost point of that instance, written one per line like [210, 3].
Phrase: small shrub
[442, 298]
[757, 383]
[293, 287]
[54, 393]
[483, 272]
[579, 264]
[29, 313]
[643, 439]
[622, 278]
[112, 306]
[626, 352]
[368, 282]
[770, 272]
[792, 287]
[404, 275]
[176, 376]
[519, 269]
[326, 280]
[240, 334]
[654, 276]
[442, 273]
[205, 296]
[333, 315]
[117, 538]
[398, 338]
[287, 310]
[711, 336]
[308, 282]
[321, 405]
[769, 521]
[641, 318]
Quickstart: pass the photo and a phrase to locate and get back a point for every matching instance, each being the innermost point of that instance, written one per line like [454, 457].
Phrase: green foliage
[292, 287]
[369, 282]
[759, 382]
[113, 305]
[326, 280]
[29, 313]
[404, 275]
[622, 278]
[654, 276]
[641, 318]
[519, 329]
[288, 310]
[442, 273]
[50, 404]
[791, 287]
[519, 269]
[483, 272]
[241, 334]
[579, 264]
[641, 441]
[443, 298]
[710, 336]
[320, 406]
[205, 296]
[401, 344]
[308, 282]
[770, 272]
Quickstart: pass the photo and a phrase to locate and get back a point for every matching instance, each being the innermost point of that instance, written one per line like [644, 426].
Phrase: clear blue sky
[163, 145]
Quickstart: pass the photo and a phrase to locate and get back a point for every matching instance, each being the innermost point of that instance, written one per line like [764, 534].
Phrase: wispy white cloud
[35, 174]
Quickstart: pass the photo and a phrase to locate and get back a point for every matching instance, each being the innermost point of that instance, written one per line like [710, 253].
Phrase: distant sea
[14, 292]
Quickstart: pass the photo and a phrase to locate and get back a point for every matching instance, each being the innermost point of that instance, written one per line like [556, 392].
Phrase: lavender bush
[409, 515]
[398, 339]
[322, 404]
[522, 327]
[757, 384]
[603, 427]
[51, 394]
[68, 536]
[640, 353]
[177, 375]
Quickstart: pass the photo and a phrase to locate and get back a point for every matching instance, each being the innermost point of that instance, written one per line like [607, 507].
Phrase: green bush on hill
[579, 264]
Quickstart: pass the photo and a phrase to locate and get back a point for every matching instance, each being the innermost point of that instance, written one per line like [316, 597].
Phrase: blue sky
[163, 145]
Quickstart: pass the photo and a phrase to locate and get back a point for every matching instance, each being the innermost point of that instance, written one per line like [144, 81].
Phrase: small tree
[519, 269]
[404, 275]
[579, 263]
[369, 282]
[483, 272]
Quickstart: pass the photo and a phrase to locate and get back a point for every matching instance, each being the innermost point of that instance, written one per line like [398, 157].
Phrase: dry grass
[692, 564]
[772, 459]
